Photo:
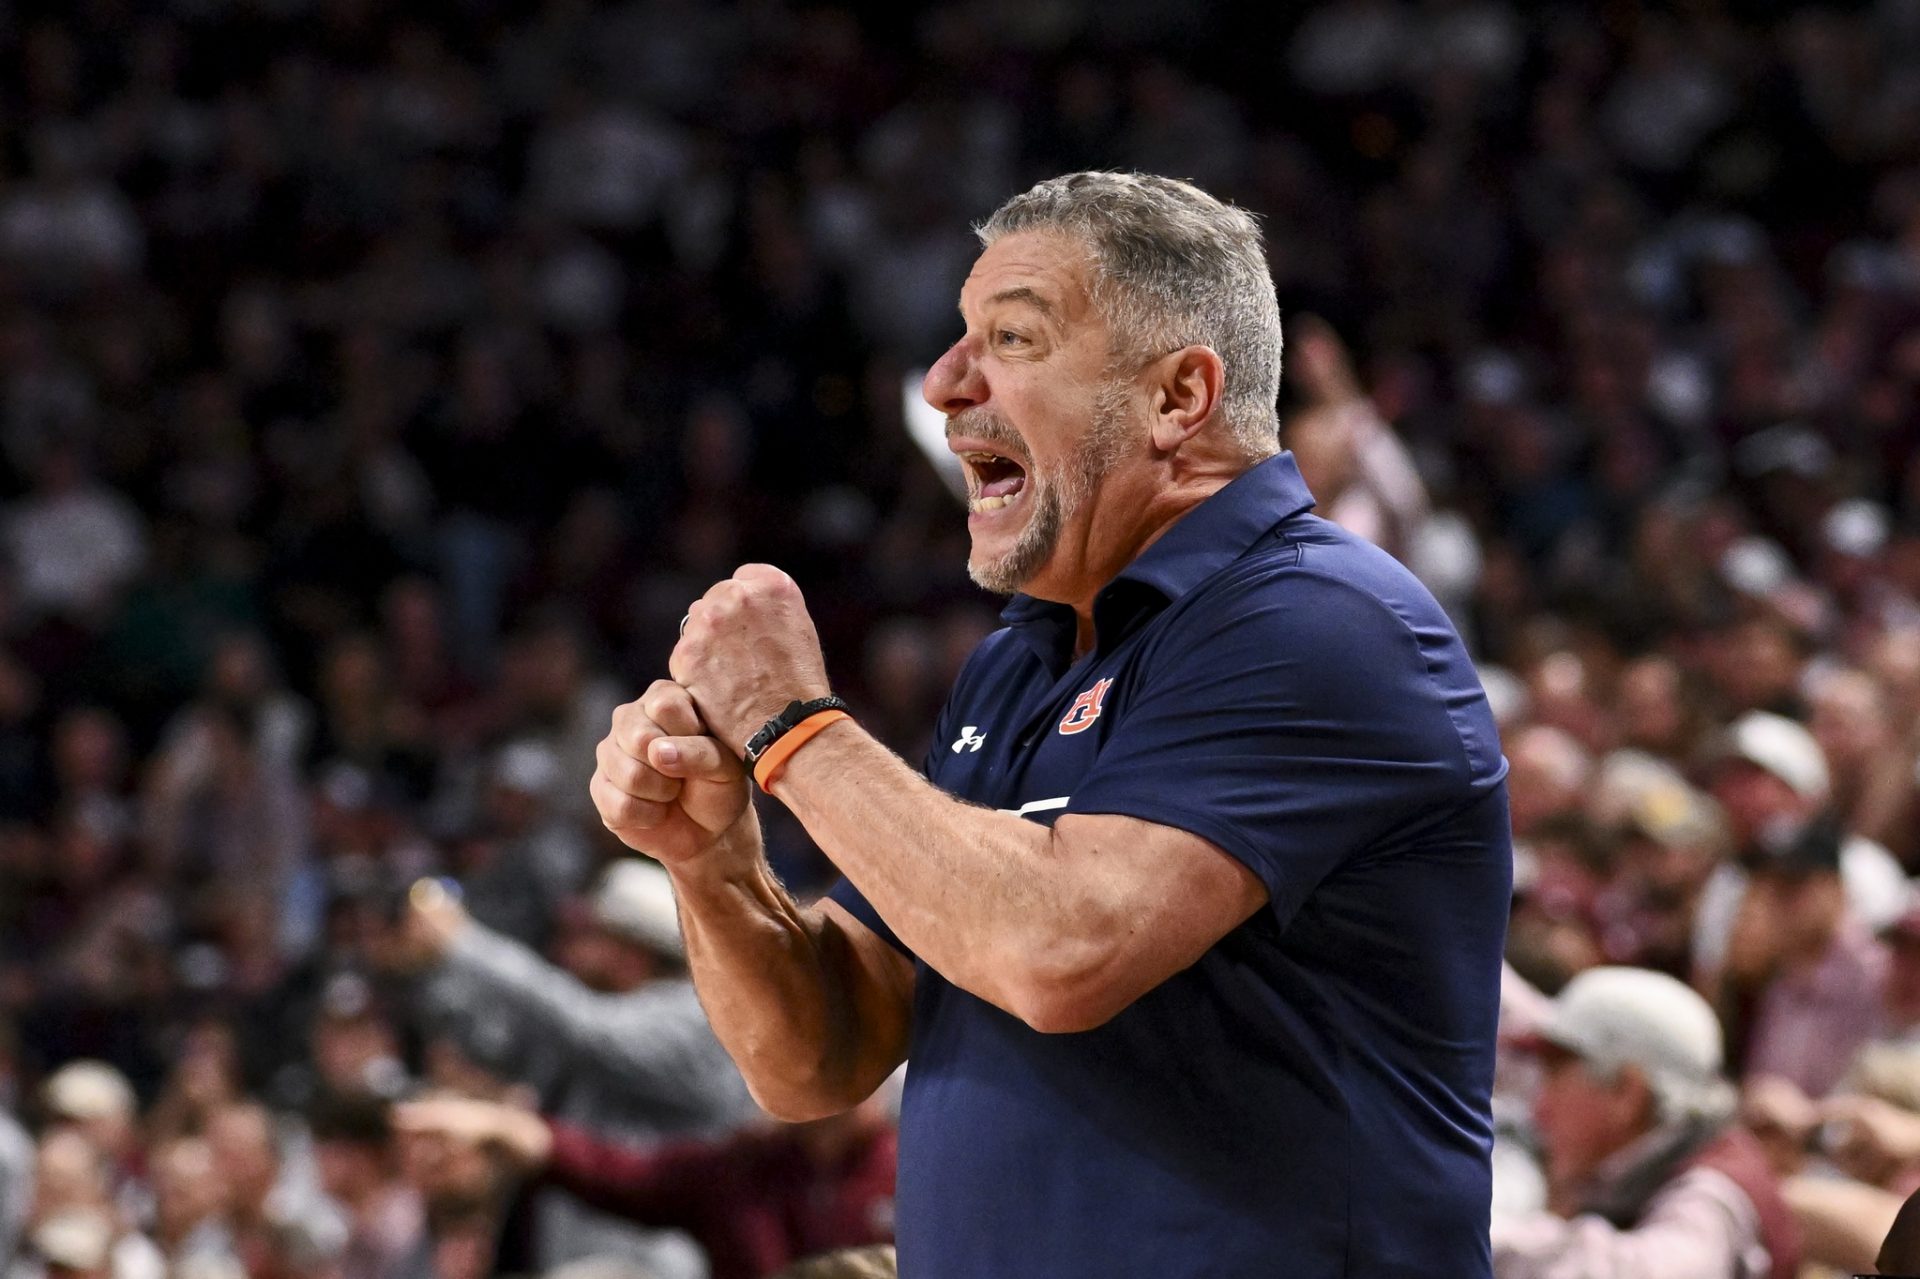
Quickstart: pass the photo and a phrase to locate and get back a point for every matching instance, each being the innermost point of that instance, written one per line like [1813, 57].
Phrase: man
[275, 1203]
[386, 1235]
[190, 1205]
[1194, 937]
[756, 1201]
[616, 1040]
[1770, 777]
[1645, 1175]
[1804, 978]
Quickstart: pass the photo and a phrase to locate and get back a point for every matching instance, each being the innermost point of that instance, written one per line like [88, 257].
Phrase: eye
[1007, 337]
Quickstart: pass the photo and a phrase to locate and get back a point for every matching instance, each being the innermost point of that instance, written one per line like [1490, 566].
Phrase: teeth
[981, 505]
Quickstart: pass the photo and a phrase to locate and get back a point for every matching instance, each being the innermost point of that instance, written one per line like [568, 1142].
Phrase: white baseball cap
[79, 1239]
[635, 901]
[1612, 1017]
[88, 1090]
[1782, 747]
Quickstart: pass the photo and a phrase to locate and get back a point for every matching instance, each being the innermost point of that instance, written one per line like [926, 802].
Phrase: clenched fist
[661, 783]
[748, 649]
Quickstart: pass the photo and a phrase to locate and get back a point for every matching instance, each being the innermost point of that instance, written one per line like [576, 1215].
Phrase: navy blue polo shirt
[1311, 1098]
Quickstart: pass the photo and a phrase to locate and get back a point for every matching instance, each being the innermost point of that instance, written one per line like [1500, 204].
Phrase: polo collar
[1202, 542]
[1221, 529]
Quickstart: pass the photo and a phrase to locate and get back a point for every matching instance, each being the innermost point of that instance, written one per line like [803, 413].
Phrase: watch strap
[785, 722]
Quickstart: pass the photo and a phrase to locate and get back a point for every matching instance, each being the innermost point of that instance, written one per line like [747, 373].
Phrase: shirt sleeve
[1699, 1225]
[655, 1041]
[685, 1184]
[1294, 722]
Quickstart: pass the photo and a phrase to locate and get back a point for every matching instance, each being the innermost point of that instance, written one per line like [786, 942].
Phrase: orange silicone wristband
[767, 770]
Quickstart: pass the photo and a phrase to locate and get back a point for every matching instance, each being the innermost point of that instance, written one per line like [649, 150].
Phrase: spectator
[360, 1171]
[98, 1103]
[614, 1039]
[1804, 978]
[755, 1201]
[1772, 779]
[275, 1204]
[1646, 1176]
[385, 385]
[189, 1206]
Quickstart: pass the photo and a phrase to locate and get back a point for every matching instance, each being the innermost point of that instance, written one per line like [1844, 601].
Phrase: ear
[1634, 1094]
[1184, 394]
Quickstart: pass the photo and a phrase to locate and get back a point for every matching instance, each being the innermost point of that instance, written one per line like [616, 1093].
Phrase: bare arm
[811, 1005]
[1842, 1221]
[1061, 927]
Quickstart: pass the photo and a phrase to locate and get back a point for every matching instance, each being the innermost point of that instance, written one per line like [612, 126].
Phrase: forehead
[1048, 270]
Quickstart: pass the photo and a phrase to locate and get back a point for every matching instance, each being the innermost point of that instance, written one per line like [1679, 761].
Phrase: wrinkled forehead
[1048, 273]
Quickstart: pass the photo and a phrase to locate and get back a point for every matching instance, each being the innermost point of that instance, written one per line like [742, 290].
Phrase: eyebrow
[1023, 293]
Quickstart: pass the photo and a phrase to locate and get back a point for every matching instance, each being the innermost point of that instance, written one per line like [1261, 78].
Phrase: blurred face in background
[188, 1188]
[1652, 706]
[604, 961]
[1755, 799]
[1584, 1118]
[68, 1172]
[1547, 776]
[241, 1138]
[350, 1170]
[1850, 721]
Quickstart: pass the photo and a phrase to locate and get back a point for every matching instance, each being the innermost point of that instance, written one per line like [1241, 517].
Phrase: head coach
[1191, 924]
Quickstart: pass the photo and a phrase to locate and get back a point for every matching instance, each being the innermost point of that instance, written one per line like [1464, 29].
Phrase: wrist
[782, 736]
[734, 855]
[531, 1140]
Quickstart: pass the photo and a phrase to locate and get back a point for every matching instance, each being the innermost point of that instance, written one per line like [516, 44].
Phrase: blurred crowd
[379, 382]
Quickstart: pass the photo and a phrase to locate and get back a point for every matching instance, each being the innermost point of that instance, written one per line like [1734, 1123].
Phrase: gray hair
[1173, 267]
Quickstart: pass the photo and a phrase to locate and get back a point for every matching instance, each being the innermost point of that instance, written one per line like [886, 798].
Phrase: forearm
[1843, 1222]
[989, 900]
[812, 1028]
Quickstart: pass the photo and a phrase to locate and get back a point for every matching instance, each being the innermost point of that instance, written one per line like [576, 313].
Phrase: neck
[1125, 520]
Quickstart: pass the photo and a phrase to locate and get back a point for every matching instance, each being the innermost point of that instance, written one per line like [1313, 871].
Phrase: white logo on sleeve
[969, 740]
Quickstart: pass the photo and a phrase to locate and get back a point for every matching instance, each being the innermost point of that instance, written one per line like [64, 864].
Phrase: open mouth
[994, 481]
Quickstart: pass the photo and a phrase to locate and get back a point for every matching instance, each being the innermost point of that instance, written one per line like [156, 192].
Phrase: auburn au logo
[1085, 709]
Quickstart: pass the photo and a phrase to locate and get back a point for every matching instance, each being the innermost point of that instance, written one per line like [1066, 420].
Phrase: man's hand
[748, 649]
[662, 784]
[427, 928]
[1782, 1117]
[1872, 1140]
[522, 1136]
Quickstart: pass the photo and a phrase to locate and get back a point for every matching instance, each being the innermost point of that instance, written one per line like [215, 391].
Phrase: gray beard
[1056, 499]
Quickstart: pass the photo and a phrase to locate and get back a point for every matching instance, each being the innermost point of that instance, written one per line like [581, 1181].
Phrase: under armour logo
[969, 739]
[1086, 708]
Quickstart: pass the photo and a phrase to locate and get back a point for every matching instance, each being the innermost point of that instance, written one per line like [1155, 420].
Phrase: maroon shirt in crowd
[756, 1202]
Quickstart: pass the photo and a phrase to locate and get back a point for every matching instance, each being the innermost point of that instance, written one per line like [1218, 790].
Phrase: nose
[954, 382]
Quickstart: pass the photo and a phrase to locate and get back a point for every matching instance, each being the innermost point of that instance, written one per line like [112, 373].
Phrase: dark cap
[1807, 848]
[353, 1118]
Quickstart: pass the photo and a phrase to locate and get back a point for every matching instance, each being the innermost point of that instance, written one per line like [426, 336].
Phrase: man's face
[1582, 1118]
[1755, 799]
[1034, 411]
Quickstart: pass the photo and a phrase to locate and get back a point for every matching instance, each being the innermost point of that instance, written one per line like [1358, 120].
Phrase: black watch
[785, 722]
